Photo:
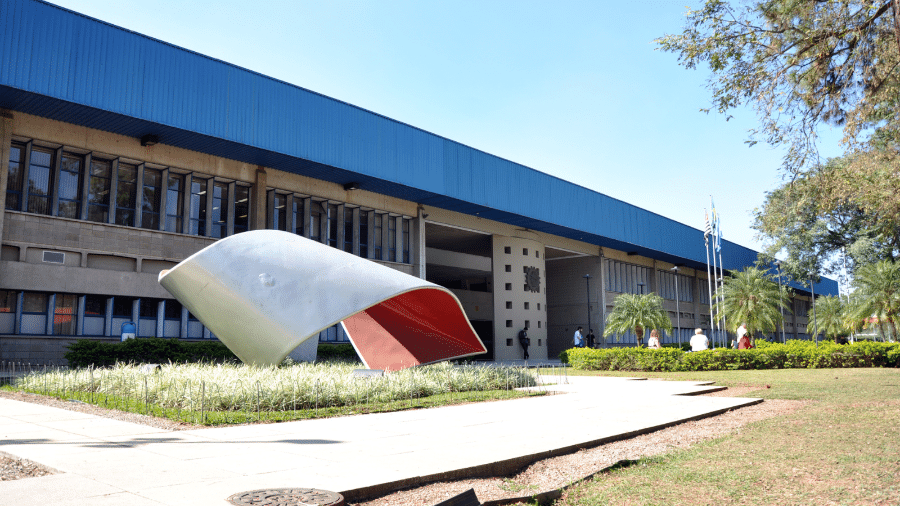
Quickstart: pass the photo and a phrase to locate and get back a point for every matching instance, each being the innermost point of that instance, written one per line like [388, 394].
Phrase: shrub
[793, 354]
[86, 352]
[339, 351]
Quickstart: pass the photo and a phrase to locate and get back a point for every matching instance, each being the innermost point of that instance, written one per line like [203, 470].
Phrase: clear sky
[575, 89]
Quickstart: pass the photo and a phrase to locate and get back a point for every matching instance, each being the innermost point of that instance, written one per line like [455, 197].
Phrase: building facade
[121, 155]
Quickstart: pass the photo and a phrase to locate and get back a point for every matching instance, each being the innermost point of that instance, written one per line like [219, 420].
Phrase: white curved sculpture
[264, 292]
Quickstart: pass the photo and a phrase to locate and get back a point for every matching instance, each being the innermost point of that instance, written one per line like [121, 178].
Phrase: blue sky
[574, 89]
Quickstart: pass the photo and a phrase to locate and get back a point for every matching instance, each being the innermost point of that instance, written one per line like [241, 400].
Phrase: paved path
[108, 462]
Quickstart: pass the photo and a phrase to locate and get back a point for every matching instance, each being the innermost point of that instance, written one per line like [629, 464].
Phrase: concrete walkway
[107, 462]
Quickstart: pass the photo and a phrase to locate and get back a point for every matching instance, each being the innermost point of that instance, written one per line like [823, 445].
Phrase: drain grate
[287, 497]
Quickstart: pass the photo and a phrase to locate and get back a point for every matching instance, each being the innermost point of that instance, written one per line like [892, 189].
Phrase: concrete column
[258, 200]
[20, 300]
[418, 243]
[601, 280]
[113, 189]
[339, 218]
[164, 200]
[229, 223]
[79, 321]
[139, 195]
[186, 185]
[51, 313]
[160, 318]
[85, 186]
[6, 120]
[107, 319]
[54, 182]
[183, 330]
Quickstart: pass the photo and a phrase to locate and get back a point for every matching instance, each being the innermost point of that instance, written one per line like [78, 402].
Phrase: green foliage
[338, 351]
[86, 352]
[801, 64]
[751, 296]
[830, 320]
[637, 313]
[794, 354]
[877, 293]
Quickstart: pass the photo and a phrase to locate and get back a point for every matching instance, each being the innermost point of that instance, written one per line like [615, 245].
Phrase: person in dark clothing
[590, 338]
[525, 341]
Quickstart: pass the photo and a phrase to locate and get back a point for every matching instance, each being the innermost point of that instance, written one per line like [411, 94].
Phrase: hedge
[793, 354]
[87, 352]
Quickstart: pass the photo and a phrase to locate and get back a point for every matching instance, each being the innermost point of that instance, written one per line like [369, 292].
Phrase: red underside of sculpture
[416, 327]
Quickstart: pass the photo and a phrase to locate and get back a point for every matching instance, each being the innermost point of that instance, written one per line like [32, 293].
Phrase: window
[405, 241]
[197, 218]
[94, 315]
[509, 323]
[126, 194]
[379, 220]
[241, 209]
[526, 305]
[40, 175]
[122, 307]
[332, 225]
[525, 251]
[364, 234]
[509, 304]
[219, 211]
[70, 186]
[348, 230]
[507, 250]
[315, 221]
[151, 192]
[298, 206]
[64, 314]
[14, 176]
[8, 302]
[172, 319]
[174, 202]
[509, 286]
[509, 268]
[98, 190]
[279, 211]
[34, 313]
[627, 278]
[392, 238]
[147, 312]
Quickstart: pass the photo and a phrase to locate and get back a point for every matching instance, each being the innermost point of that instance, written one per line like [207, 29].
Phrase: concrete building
[122, 155]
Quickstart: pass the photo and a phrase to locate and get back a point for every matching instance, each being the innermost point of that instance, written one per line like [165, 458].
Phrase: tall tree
[829, 319]
[877, 293]
[751, 296]
[637, 313]
[815, 223]
[800, 64]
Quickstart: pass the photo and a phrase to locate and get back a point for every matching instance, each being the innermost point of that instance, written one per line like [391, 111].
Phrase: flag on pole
[715, 225]
[708, 230]
[718, 235]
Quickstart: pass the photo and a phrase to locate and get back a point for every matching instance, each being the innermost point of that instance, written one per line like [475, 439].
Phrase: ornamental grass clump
[233, 387]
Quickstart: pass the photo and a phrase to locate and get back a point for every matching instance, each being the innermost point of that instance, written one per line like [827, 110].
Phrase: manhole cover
[287, 497]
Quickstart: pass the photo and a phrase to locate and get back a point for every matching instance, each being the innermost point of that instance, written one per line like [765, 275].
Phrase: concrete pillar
[6, 120]
[258, 200]
[418, 243]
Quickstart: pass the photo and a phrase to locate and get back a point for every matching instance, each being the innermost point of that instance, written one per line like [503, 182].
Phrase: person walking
[578, 338]
[590, 338]
[699, 342]
[524, 341]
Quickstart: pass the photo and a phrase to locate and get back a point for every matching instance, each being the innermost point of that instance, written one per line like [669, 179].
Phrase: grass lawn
[843, 448]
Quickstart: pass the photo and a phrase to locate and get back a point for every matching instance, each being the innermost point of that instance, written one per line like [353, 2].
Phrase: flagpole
[715, 227]
[708, 278]
[724, 323]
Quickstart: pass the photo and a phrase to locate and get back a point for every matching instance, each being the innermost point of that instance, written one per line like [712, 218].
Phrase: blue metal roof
[63, 65]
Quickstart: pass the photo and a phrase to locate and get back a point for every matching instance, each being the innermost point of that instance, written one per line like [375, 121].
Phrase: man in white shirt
[579, 339]
[699, 342]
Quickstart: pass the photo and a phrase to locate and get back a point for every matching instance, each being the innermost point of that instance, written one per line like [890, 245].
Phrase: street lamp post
[587, 281]
[778, 266]
[636, 340]
[677, 309]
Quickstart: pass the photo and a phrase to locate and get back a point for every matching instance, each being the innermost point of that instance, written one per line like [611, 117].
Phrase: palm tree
[877, 293]
[830, 316]
[637, 313]
[751, 296]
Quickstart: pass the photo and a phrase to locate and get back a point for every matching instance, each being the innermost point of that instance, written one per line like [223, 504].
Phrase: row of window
[85, 186]
[66, 314]
[630, 278]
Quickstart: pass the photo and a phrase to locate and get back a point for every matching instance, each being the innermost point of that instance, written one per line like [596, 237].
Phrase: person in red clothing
[743, 338]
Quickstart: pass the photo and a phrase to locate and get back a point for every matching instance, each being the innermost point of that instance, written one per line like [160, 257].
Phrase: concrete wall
[514, 306]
